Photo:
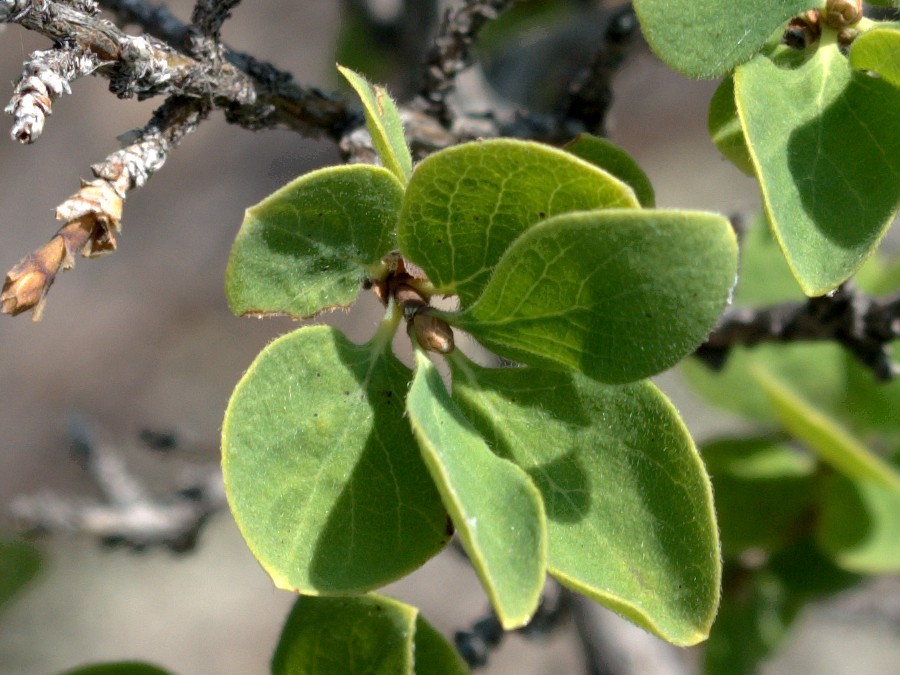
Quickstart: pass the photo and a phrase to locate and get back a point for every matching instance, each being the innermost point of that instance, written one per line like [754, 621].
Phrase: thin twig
[452, 52]
[209, 15]
[486, 634]
[92, 215]
[590, 95]
[864, 326]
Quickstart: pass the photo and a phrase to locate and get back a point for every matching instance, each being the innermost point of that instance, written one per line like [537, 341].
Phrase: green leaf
[872, 405]
[495, 507]
[724, 127]
[323, 476]
[610, 157]
[19, 564]
[306, 247]
[707, 38]
[764, 489]
[465, 205]
[757, 611]
[385, 126]
[369, 634]
[859, 526]
[822, 141]
[765, 278]
[434, 655]
[118, 668]
[630, 521]
[878, 50]
[813, 369]
[618, 294]
[825, 437]
[759, 605]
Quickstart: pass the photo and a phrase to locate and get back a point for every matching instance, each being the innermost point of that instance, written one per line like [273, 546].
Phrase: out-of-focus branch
[209, 15]
[129, 513]
[92, 215]
[590, 95]
[475, 644]
[451, 52]
[864, 326]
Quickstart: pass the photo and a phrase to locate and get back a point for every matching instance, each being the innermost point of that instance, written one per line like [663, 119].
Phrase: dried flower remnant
[92, 218]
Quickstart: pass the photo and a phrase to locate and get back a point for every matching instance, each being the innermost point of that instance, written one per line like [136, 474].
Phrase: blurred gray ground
[144, 338]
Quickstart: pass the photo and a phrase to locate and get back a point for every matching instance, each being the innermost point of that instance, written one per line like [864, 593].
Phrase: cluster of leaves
[346, 470]
[811, 501]
[816, 121]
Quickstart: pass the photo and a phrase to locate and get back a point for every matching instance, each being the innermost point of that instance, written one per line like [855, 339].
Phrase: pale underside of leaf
[384, 123]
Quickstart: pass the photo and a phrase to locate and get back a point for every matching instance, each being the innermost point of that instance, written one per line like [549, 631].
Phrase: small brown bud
[434, 334]
[27, 283]
[847, 36]
[842, 13]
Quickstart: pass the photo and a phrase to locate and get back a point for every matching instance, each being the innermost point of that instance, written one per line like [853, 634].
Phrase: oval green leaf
[707, 38]
[630, 519]
[831, 442]
[322, 474]
[724, 127]
[859, 526]
[828, 162]
[610, 157]
[618, 294]
[369, 634]
[465, 205]
[384, 123]
[495, 507]
[878, 50]
[306, 247]
[764, 490]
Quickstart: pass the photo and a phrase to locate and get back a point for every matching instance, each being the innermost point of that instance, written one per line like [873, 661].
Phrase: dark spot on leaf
[542, 215]
[448, 527]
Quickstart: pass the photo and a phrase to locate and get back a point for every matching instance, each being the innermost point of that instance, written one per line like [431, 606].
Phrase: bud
[842, 13]
[434, 334]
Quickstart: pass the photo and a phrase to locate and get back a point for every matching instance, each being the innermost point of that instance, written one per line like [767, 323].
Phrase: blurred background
[144, 339]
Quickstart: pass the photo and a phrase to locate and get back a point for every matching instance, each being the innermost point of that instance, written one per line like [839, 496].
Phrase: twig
[475, 644]
[209, 15]
[590, 95]
[46, 76]
[864, 326]
[128, 514]
[452, 51]
[92, 215]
